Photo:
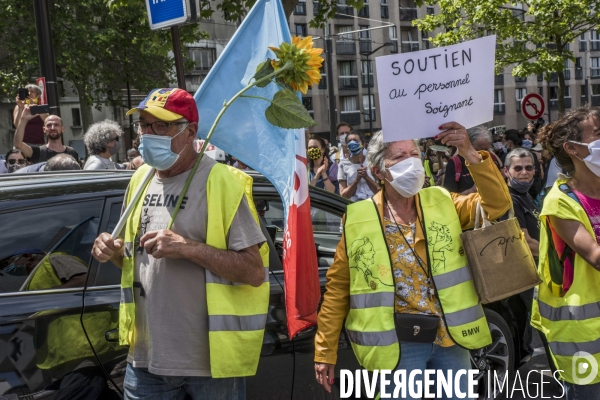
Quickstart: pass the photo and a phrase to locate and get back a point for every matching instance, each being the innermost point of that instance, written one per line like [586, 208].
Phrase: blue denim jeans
[142, 385]
[421, 356]
[581, 392]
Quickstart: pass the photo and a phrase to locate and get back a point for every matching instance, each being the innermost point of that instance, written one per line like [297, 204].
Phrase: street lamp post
[368, 54]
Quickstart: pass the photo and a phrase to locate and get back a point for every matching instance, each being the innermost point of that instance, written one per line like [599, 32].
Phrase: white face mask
[343, 139]
[593, 160]
[408, 176]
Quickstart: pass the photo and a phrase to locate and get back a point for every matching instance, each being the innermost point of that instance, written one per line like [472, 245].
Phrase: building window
[594, 40]
[204, 57]
[347, 76]
[367, 73]
[300, 8]
[553, 92]
[76, 117]
[430, 11]
[300, 29]
[364, 11]
[350, 112]
[393, 39]
[307, 103]
[520, 93]
[369, 116]
[385, 13]
[541, 90]
[595, 70]
[364, 34]
[409, 40]
[499, 101]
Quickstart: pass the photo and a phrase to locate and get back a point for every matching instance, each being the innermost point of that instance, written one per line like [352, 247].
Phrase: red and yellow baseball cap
[169, 105]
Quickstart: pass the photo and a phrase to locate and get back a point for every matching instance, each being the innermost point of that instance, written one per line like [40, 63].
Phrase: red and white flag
[300, 265]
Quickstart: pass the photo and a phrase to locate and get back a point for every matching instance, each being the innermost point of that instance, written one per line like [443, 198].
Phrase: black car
[59, 307]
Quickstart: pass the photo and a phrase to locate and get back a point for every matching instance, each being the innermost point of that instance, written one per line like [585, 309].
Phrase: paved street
[531, 386]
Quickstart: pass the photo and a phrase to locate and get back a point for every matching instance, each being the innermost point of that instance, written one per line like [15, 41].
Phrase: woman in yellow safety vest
[566, 306]
[400, 277]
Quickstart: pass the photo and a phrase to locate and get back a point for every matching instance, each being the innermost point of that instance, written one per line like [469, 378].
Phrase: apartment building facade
[385, 27]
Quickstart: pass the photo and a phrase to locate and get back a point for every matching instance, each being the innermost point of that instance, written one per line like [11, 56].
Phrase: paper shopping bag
[499, 258]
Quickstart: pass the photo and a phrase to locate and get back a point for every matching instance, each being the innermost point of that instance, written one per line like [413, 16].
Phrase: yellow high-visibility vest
[237, 313]
[370, 321]
[570, 321]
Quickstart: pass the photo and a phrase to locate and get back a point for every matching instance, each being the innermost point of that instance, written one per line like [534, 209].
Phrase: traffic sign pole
[178, 57]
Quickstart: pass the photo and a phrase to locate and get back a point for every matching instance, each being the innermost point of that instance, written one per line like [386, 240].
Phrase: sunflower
[305, 59]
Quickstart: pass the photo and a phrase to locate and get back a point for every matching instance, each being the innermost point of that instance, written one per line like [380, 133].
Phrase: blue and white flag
[279, 154]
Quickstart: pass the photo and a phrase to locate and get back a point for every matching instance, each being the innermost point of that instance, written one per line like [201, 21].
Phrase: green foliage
[286, 111]
[264, 69]
[522, 42]
[96, 48]
[535, 39]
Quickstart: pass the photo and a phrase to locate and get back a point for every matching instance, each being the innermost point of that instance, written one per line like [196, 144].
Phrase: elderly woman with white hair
[400, 278]
[102, 142]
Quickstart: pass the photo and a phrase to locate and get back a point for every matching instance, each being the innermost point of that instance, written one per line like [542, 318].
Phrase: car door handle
[112, 335]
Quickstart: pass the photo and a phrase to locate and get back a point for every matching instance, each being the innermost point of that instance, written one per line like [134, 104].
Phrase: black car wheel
[497, 359]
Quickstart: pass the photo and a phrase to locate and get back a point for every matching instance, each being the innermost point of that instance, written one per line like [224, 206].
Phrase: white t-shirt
[347, 171]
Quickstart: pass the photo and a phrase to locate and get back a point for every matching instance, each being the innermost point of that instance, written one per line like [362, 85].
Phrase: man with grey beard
[53, 129]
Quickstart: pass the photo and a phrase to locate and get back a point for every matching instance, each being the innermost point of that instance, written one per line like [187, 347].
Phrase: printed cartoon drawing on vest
[438, 236]
[362, 253]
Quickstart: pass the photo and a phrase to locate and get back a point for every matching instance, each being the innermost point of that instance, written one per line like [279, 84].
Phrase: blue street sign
[166, 13]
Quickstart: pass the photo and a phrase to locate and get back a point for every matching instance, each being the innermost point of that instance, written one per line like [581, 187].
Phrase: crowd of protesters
[549, 174]
[38, 143]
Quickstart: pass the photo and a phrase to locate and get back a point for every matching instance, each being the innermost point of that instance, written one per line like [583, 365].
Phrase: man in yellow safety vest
[194, 286]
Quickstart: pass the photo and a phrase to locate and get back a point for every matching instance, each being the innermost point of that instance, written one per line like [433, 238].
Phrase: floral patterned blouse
[411, 278]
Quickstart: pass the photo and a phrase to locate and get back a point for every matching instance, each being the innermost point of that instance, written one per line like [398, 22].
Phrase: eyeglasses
[117, 138]
[158, 127]
[519, 168]
[13, 161]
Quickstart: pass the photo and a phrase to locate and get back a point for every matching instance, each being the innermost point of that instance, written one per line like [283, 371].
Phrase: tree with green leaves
[533, 35]
[96, 49]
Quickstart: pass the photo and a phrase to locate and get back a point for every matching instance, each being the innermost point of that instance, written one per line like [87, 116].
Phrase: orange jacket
[496, 201]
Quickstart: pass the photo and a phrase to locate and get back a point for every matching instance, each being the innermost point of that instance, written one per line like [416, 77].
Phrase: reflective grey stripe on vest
[128, 247]
[236, 323]
[384, 338]
[465, 316]
[452, 278]
[569, 313]
[368, 300]
[569, 348]
[214, 278]
[127, 295]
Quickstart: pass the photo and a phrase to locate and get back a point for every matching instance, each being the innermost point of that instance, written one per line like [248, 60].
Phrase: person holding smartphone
[34, 131]
[53, 128]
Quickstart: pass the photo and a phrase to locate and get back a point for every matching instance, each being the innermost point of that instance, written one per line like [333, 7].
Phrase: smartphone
[23, 93]
[43, 109]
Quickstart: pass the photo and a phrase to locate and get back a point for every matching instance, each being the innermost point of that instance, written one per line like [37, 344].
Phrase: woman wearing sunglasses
[15, 160]
[566, 308]
[520, 170]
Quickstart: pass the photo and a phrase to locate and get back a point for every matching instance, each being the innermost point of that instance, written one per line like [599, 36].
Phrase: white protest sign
[419, 91]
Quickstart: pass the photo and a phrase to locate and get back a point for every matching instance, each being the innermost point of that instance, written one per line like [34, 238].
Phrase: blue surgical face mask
[156, 151]
[354, 147]
[527, 144]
